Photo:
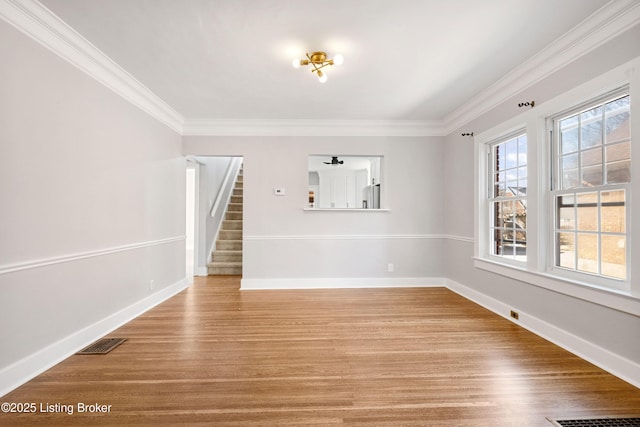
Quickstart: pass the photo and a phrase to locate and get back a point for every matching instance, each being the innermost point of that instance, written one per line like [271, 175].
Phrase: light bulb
[296, 63]
[338, 59]
[322, 76]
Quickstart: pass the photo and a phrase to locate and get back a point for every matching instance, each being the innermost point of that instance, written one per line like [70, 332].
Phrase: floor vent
[596, 422]
[102, 346]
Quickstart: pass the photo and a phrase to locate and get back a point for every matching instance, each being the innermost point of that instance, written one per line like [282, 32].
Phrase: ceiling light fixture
[318, 60]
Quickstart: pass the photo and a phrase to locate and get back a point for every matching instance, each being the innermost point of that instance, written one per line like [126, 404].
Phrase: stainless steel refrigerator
[371, 197]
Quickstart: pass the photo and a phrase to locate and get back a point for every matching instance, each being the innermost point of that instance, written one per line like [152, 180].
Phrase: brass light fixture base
[318, 60]
[317, 57]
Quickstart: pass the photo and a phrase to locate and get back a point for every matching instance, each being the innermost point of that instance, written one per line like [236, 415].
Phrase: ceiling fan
[334, 161]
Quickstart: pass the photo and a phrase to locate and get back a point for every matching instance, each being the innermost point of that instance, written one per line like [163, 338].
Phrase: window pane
[507, 214]
[618, 162]
[591, 167]
[587, 252]
[587, 212]
[522, 150]
[569, 135]
[520, 247]
[497, 238]
[614, 263]
[497, 215]
[566, 213]
[521, 215]
[612, 214]
[512, 188]
[512, 154]
[522, 172]
[570, 178]
[617, 124]
[566, 250]
[591, 128]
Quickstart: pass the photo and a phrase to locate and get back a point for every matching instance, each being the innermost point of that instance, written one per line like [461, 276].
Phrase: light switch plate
[279, 191]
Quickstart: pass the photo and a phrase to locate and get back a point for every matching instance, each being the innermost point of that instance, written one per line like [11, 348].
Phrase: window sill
[344, 210]
[616, 299]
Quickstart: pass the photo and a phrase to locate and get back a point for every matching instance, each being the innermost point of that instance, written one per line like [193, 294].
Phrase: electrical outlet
[515, 315]
[390, 268]
[152, 284]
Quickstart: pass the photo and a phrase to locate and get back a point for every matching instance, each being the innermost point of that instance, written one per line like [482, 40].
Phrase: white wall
[92, 193]
[282, 241]
[604, 335]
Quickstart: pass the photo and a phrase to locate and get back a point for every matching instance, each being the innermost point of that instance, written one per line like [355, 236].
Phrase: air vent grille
[102, 346]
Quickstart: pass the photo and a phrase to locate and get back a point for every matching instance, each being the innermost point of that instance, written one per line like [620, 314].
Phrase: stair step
[236, 199]
[240, 177]
[233, 216]
[232, 224]
[234, 207]
[227, 256]
[239, 184]
[224, 268]
[237, 192]
[230, 235]
[229, 245]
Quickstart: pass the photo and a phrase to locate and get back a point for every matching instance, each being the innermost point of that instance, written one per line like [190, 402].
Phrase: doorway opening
[218, 215]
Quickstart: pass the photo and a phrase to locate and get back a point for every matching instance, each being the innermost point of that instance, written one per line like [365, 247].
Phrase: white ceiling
[404, 59]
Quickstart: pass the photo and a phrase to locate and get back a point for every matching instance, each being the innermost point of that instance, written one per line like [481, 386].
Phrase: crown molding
[611, 20]
[274, 127]
[42, 25]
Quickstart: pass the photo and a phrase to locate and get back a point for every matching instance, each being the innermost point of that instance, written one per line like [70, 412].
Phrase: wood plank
[213, 355]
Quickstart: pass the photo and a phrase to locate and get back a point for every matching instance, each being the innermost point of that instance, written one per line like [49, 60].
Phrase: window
[508, 197]
[592, 160]
[555, 203]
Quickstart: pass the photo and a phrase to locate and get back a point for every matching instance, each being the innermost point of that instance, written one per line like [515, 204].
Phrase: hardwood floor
[213, 355]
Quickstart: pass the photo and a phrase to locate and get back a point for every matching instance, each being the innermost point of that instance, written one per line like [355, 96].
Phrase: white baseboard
[619, 366]
[201, 271]
[335, 283]
[20, 372]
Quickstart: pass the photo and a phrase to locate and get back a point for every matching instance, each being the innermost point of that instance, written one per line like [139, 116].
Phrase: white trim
[341, 283]
[352, 237]
[605, 24]
[361, 210]
[311, 127]
[42, 25]
[201, 271]
[458, 238]
[10, 268]
[18, 373]
[619, 366]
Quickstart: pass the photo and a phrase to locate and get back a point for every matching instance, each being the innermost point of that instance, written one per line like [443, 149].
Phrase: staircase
[227, 257]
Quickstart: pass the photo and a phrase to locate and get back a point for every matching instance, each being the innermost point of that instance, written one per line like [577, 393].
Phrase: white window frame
[596, 278]
[539, 269]
[491, 197]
